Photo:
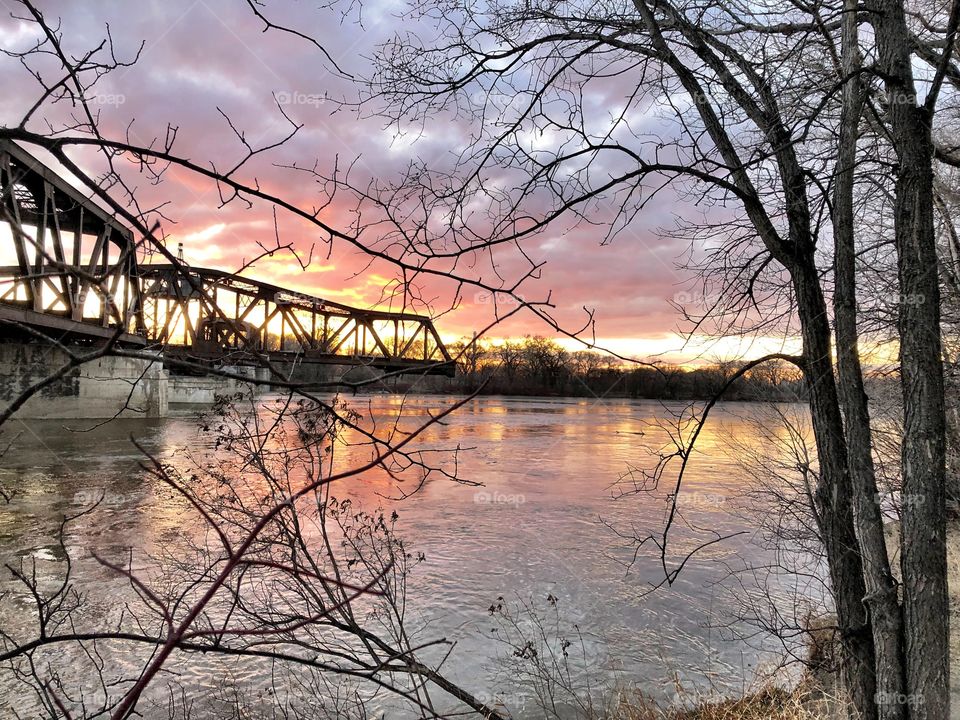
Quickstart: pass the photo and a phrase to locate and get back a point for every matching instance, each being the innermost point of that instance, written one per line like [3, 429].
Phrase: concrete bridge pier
[100, 389]
[187, 390]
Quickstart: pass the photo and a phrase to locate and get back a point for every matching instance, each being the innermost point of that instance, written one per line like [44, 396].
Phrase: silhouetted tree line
[541, 366]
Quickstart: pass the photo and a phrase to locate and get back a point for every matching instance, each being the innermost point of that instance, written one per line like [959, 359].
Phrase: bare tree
[280, 575]
[212, 603]
[762, 107]
[771, 114]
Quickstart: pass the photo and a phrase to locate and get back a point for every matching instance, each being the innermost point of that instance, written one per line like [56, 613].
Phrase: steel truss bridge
[73, 274]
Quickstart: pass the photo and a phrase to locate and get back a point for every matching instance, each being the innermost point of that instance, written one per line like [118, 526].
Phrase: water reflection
[539, 526]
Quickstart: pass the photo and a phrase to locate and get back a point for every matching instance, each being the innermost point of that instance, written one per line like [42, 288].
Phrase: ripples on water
[540, 526]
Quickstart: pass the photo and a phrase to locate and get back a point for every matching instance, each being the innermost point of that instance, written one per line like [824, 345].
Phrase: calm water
[540, 526]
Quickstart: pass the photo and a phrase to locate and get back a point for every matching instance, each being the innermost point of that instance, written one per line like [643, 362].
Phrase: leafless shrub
[276, 579]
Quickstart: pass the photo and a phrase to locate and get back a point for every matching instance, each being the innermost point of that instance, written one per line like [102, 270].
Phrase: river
[543, 525]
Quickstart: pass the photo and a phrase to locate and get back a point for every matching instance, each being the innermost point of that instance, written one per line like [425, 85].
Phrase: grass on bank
[769, 703]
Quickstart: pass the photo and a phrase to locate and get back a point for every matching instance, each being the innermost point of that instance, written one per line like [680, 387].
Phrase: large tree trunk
[834, 495]
[923, 535]
[796, 253]
[881, 598]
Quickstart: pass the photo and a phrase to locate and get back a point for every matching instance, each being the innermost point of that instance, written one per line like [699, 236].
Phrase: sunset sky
[201, 56]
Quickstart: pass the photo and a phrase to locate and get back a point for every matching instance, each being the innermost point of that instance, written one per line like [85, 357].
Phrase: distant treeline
[540, 366]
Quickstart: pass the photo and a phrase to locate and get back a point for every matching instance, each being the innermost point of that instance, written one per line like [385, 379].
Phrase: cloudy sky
[211, 56]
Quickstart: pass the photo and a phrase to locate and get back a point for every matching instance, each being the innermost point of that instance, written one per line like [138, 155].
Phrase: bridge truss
[72, 270]
[256, 316]
[72, 267]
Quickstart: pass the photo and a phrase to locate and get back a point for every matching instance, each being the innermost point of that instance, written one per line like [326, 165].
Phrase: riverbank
[818, 696]
[540, 367]
[804, 702]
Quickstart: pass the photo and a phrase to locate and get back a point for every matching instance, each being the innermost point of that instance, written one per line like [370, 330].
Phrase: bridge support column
[263, 375]
[204, 389]
[102, 388]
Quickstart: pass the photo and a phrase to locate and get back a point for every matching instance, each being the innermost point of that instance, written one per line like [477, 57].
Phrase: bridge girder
[74, 262]
[76, 273]
[261, 317]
